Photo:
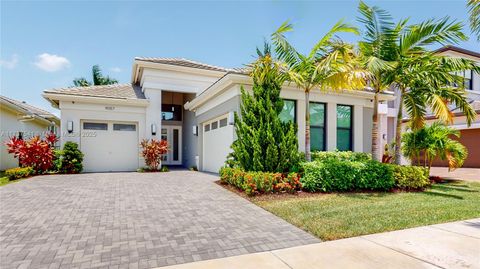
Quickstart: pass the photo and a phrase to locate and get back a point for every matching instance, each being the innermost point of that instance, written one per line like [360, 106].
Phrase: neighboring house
[191, 105]
[469, 135]
[20, 119]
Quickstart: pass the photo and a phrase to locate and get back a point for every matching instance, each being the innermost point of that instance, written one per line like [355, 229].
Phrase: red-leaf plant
[152, 152]
[36, 152]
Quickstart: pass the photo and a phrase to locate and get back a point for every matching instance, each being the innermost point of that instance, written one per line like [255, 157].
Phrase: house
[469, 135]
[191, 105]
[20, 119]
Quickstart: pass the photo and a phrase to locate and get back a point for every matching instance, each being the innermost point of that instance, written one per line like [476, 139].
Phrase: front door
[173, 135]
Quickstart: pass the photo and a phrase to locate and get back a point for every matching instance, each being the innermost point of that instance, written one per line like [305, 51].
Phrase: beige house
[20, 119]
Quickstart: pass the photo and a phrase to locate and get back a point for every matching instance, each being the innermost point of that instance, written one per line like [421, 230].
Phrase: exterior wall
[75, 112]
[10, 126]
[367, 129]
[189, 140]
[153, 115]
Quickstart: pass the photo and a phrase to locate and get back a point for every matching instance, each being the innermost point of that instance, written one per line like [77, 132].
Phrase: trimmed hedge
[411, 177]
[260, 182]
[342, 175]
[19, 172]
[322, 156]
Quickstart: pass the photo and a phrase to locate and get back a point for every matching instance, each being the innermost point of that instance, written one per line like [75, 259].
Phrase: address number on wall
[110, 108]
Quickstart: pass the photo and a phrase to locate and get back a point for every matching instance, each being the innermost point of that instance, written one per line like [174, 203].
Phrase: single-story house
[20, 119]
[191, 105]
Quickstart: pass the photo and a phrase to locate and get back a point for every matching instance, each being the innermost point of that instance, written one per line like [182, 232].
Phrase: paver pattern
[132, 220]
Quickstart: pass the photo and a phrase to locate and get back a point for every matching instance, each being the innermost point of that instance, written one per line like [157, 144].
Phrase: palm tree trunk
[398, 130]
[375, 154]
[308, 155]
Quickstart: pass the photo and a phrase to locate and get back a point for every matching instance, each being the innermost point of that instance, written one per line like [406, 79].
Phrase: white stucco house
[191, 105]
[20, 119]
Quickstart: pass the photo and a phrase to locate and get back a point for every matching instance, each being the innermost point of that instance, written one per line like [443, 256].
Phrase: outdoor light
[195, 130]
[382, 109]
[231, 118]
[70, 126]
[154, 129]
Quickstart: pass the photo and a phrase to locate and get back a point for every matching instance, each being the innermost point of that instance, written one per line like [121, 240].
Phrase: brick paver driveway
[131, 220]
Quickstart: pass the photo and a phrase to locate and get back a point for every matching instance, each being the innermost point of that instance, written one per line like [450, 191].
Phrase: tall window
[344, 127]
[289, 111]
[317, 126]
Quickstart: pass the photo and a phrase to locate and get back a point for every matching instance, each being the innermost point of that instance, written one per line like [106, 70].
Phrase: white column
[358, 128]
[301, 124]
[331, 126]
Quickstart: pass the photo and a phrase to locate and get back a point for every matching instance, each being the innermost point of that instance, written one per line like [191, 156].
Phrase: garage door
[469, 138]
[217, 138]
[109, 146]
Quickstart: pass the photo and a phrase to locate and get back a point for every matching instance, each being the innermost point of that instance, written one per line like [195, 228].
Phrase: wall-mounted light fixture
[195, 130]
[154, 129]
[70, 126]
[382, 109]
[231, 118]
[384, 136]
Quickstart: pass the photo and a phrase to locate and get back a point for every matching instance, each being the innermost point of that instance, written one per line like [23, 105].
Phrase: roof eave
[56, 97]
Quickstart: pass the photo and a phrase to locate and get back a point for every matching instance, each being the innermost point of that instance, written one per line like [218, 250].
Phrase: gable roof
[189, 63]
[27, 108]
[459, 50]
[114, 91]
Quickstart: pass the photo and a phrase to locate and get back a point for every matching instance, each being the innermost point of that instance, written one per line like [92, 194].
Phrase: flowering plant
[152, 152]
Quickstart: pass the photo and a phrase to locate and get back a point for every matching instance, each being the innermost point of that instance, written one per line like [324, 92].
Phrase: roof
[459, 50]
[114, 91]
[22, 105]
[189, 63]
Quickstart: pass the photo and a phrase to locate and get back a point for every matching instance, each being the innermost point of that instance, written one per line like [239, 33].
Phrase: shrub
[411, 177]
[36, 153]
[71, 159]
[164, 169]
[19, 172]
[152, 152]
[57, 160]
[344, 175]
[341, 156]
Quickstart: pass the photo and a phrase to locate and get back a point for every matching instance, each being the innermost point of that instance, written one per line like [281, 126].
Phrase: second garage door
[217, 138]
[109, 146]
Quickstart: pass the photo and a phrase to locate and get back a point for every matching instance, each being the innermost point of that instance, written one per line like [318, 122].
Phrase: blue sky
[47, 44]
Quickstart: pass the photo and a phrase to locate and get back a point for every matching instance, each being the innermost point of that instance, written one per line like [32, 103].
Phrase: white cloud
[10, 64]
[51, 63]
[116, 69]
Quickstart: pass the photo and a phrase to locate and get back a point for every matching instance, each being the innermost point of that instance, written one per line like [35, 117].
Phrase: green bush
[344, 175]
[71, 159]
[19, 172]
[341, 156]
[57, 160]
[411, 177]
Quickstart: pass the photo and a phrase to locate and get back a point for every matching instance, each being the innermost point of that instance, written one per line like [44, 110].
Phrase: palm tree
[330, 65]
[474, 10]
[395, 53]
[98, 79]
[434, 142]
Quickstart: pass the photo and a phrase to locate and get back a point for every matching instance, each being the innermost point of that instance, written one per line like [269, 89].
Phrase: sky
[46, 44]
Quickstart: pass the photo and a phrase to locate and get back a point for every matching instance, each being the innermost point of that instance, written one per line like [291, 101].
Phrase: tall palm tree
[474, 10]
[330, 65]
[392, 52]
[98, 79]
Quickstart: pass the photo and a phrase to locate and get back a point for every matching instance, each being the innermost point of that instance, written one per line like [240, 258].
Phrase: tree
[391, 52]
[330, 65]
[474, 10]
[98, 79]
[433, 142]
[264, 142]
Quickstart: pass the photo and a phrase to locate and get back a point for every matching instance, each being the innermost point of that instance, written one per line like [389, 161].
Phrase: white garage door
[217, 138]
[109, 146]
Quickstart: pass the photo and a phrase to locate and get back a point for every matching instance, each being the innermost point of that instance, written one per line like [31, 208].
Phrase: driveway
[468, 174]
[136, 220]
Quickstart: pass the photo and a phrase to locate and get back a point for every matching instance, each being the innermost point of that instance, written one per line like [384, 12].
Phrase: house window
[317, 126]
[124, 127]
[288, 113]
[207, 127]
[214, 125]
[468, 80]
[223, 122]
[95, 126]
[344, 127]
[171, 112]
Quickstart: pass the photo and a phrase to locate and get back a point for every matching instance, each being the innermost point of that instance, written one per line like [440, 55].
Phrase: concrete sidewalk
[449, 245]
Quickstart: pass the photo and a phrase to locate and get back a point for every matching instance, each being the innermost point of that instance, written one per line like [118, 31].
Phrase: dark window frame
[295, 107]
[177, 113]
[124, 124]
[324, 127]
[95, 129]
[345, 128]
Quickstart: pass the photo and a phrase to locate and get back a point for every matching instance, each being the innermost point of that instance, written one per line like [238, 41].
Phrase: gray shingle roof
[29, 108]
[115, 91]
[189, 63]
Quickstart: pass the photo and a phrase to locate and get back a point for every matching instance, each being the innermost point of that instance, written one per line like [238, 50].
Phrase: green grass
[335, 216]
[3, 179]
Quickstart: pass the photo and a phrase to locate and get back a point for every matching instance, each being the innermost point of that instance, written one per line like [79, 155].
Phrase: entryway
[173, 135]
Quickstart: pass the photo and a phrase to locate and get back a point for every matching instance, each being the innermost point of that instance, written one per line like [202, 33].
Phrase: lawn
[335, 216]
[3, 178]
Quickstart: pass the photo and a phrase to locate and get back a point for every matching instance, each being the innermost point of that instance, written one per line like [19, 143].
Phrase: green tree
[474, 10]
[428, 143]
[264, 142]
[98, 79]
[330, 65]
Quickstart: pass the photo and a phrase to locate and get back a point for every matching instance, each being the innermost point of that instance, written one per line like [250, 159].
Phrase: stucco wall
[190, 141]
